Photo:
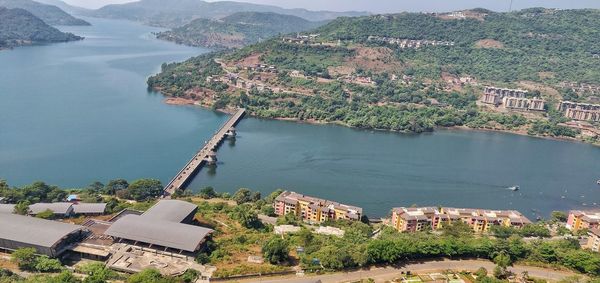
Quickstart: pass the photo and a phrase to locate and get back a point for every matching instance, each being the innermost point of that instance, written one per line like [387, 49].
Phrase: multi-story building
[480, 220]
[580, 111]
[579, 219]
[414, 218]
[313, 209]
[594, 240]
[494, 95]
[531, 104]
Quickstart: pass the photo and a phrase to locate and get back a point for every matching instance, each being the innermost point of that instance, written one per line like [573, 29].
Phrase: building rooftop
[291, 198]
[34, 231]
[159, 232]
[56, 207]
[595, 232]
[7, 208]
[89, 208]
[170, 210]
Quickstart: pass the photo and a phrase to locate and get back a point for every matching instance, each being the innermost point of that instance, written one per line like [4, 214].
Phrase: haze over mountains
[50, 14]
[180, 12]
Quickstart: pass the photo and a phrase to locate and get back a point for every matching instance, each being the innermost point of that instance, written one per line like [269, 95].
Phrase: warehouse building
[49, 238]
[163, 227]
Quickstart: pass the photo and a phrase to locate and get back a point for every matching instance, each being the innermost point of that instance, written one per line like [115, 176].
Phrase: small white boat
[513, 188]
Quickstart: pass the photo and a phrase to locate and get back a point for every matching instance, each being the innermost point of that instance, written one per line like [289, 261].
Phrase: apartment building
[579, 219]
[480, 220]
[314, 210]
[580, 111]
[529, 104]
[594, 240]
[494, 95]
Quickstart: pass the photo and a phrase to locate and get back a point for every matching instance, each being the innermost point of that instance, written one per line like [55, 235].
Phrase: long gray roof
[7, 208]
[34, 231]
[89, 208]
[56, 207]
[170, 210]
[159, 232]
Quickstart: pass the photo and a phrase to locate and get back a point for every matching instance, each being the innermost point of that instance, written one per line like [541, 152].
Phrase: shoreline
[188, 101]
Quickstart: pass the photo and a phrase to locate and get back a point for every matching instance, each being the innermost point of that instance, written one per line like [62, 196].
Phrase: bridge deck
[198, 160]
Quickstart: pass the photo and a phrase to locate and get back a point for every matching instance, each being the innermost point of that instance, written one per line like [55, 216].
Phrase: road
[383, 274]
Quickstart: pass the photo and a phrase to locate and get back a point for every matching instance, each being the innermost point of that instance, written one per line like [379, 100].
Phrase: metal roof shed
[89, 208]
[172, 211]
[49, 238]
[159, 232]
[61, 208]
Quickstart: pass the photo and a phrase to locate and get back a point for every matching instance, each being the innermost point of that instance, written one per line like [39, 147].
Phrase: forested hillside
[236, 30]
[19, 27]
[409, 72]
[51, 15]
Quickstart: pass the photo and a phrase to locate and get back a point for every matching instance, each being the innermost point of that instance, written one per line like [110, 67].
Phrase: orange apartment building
[480, 220]
[314, 210]
[579, 219]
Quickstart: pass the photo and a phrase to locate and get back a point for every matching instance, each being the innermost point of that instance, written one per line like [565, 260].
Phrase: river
[77, 112]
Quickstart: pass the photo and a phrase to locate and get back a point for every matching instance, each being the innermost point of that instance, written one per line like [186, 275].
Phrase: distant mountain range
[73, 10]
[50, 14]
[19, 27]
[173, 13]
[237, 30]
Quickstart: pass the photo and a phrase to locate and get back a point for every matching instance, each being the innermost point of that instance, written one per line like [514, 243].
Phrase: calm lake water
[77, 112]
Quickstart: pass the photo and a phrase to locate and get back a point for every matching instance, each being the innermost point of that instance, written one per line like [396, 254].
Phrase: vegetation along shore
[487, 70]
[251, 234]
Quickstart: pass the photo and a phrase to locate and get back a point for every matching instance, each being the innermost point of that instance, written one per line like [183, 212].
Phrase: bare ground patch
[489, 43]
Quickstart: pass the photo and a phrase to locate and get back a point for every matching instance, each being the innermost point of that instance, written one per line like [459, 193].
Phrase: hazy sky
[389, 6]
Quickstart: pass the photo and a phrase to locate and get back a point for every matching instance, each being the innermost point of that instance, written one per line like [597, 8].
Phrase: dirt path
[382, 274]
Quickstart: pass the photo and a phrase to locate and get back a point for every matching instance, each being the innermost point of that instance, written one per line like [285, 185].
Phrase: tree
[275, 250]
[22, 208]
[245, 216]
[114, 186]
[208, 193]
[559, 216]
[97, 273]
[145, 189]
[46, 214]
[502, 259]
[256, 196]
[243, 195]
[95, 187]
[268, 210]
[272, 196]
[150, 275]
[64, 277]
[46, 264]
[481, 272]
[25, 258]
[457, 229]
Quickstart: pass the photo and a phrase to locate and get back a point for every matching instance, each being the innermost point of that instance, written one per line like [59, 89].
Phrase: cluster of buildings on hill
[581, 87]
[580, 111]
[517, 99]
[512, 99]
[588, 220]
[314, 210]
[409, 43]
[431, 218]
[130, 241]
[301, 38]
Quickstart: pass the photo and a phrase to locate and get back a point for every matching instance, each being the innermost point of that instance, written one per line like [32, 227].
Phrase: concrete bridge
[204, 156]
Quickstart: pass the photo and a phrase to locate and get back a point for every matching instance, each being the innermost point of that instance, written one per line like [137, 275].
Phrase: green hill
[52, 15]
[236, 30]
[19, 27]
[174, 13]
[408, 72]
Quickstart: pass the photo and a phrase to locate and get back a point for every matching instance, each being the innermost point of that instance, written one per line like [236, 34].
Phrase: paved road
[382, 274]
